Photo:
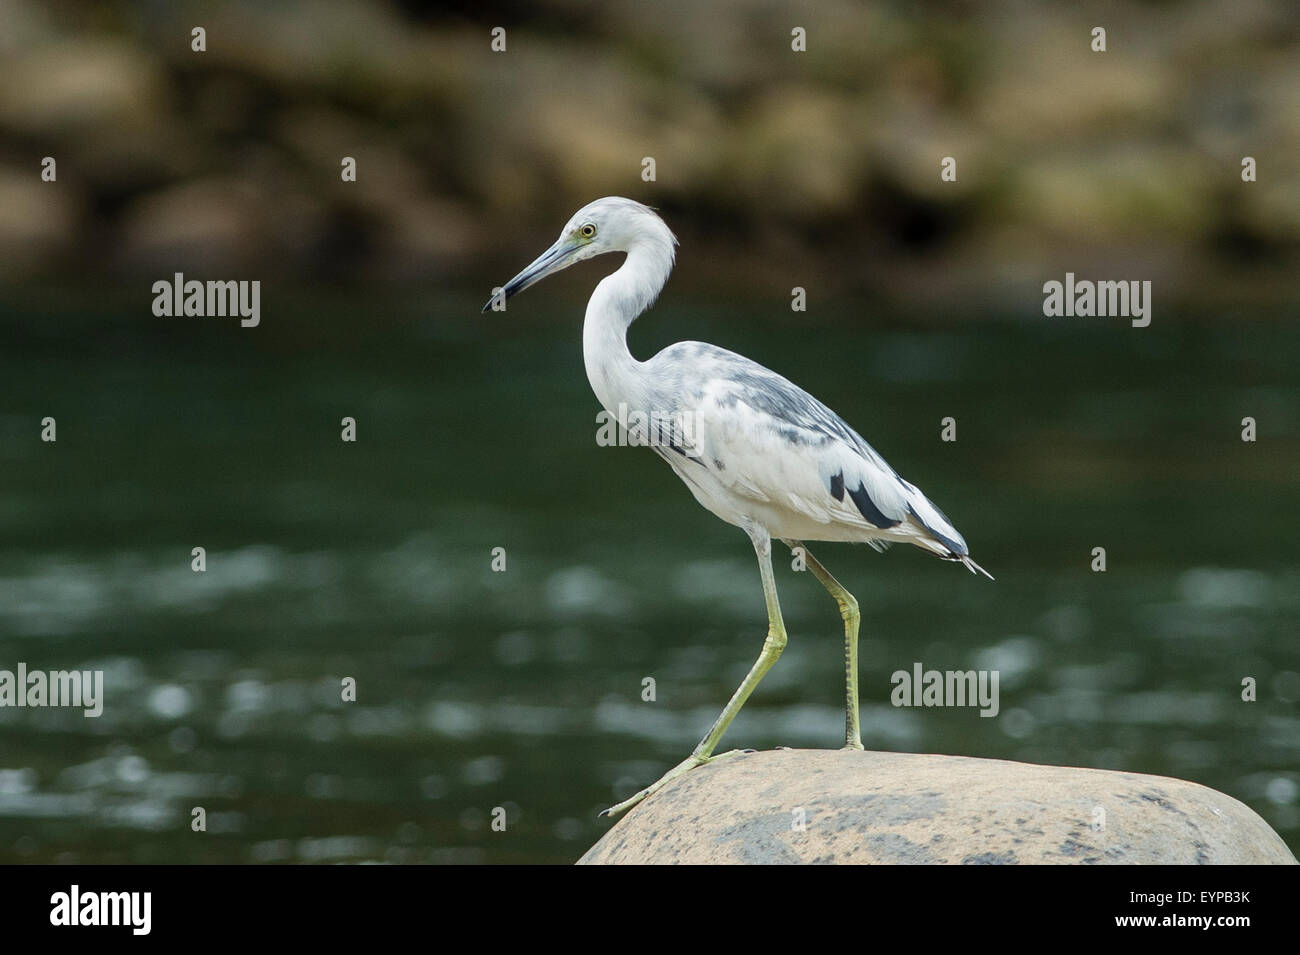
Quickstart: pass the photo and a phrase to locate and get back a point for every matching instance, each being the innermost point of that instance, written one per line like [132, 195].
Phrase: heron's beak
[557, 258]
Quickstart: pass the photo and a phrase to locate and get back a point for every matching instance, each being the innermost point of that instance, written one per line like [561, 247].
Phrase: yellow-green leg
[849, 612]
[772, 647]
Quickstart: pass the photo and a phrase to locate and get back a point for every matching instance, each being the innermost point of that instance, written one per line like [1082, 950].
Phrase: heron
[753, 448]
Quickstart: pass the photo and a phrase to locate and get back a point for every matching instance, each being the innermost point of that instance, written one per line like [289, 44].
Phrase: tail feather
[973, 567]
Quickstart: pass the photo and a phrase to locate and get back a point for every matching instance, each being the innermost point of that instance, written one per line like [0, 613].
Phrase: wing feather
[769, 441]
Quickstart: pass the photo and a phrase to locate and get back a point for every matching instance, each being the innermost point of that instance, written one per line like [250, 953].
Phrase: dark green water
[522, 689]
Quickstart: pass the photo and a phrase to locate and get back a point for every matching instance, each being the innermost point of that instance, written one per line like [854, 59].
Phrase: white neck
[616, 377]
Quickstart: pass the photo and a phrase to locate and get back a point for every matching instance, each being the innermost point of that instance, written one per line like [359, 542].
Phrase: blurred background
[776, 169]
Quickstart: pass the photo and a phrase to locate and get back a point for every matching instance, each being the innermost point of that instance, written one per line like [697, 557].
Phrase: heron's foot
[681, 769]
[853, 744]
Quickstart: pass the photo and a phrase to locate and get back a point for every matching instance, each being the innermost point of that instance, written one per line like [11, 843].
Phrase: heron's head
[612, 224]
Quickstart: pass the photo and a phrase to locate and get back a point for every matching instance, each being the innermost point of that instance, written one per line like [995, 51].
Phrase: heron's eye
[587, 231]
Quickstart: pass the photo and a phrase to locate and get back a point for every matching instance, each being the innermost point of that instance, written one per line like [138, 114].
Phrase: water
[522, 690]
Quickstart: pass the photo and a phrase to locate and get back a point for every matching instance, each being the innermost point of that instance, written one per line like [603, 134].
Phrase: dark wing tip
[867, 507]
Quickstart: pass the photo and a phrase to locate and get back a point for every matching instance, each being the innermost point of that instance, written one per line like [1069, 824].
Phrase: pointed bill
[555, 259]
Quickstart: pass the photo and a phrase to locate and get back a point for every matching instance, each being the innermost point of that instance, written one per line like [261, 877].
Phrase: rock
[66, 88]
[865, 808]
[38, 221]
[214, 224]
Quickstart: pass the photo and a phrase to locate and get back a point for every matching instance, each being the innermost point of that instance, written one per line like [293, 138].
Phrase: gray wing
[771, 441]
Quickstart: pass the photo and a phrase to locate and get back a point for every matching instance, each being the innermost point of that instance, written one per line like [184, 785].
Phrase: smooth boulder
[843, 807]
